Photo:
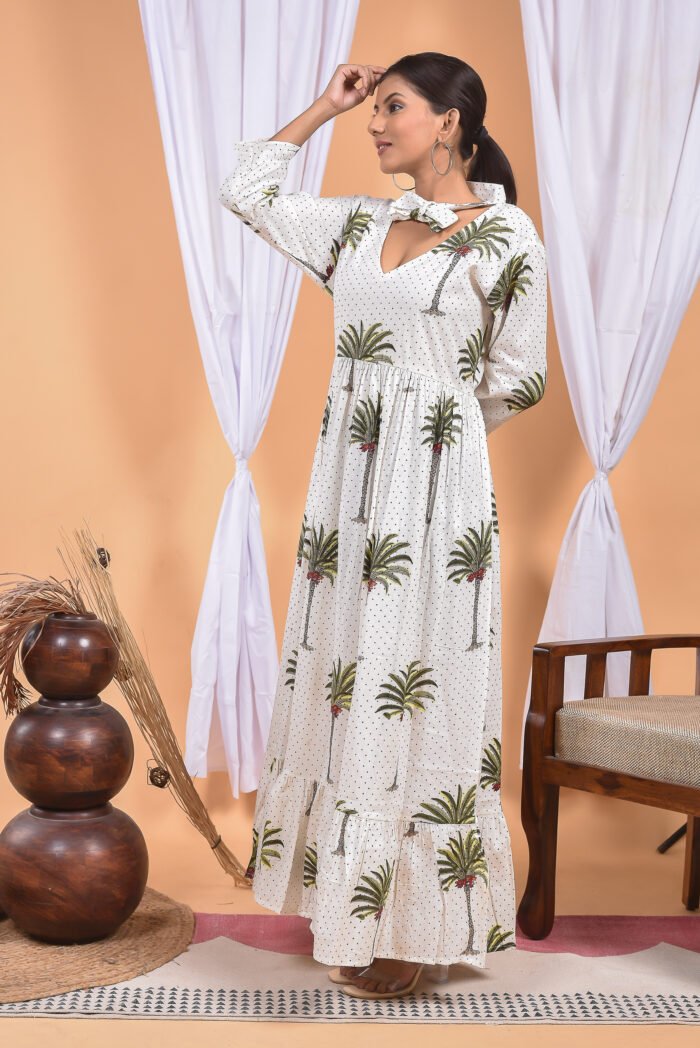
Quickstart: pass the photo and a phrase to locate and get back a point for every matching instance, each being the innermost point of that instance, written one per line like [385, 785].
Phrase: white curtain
[617, 136]
[224, 71]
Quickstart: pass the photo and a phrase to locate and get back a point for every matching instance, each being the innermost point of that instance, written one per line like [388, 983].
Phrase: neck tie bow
[410, 205]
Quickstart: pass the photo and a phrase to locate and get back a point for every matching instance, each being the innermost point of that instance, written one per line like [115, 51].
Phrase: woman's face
[403, 118]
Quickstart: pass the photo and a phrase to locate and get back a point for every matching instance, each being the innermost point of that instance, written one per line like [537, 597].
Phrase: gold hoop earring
[404, 189]
[448, 147]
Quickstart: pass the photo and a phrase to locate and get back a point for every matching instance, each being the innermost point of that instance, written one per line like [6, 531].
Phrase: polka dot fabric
[378, 811]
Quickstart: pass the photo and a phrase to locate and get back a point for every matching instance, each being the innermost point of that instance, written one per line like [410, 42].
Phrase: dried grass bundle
[89, 564]
[20, 607]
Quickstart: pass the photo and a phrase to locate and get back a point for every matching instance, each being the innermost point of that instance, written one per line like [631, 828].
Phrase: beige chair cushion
[653, 736]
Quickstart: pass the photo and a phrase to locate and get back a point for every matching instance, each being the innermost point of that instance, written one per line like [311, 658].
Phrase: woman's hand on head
[350, 85]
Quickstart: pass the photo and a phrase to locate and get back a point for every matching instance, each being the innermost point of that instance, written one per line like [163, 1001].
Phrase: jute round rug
[158, 930]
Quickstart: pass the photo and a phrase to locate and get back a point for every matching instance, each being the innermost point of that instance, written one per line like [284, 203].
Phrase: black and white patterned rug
[225, 979]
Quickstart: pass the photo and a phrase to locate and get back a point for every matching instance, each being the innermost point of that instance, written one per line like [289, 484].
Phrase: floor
[30, 1033]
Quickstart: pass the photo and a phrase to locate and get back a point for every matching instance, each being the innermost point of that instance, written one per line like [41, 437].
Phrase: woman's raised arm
[310, 231]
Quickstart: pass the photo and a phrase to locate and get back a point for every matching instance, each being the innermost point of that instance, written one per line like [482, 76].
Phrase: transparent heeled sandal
[436, 973]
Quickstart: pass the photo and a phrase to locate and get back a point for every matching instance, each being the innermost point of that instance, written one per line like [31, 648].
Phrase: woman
[378, 813]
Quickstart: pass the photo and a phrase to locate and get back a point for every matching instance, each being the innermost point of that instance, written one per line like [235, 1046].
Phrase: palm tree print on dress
[498, 939]
[363, 345]
[464, 860]
[364, 430]
[494, 514]
[482, 235]
[355, 226]
[268, 851]
[415, 213]
[347, 812]
[326, 417]
[491, 765]
[310, 865]
[446, 809]
[381, 561]
[372, 896]
[322, 554]
[340, 685]
[532, 391]
[470, 560]
[405, 694]
[250, 868]
[441, 425]
[292, 669]
[511, 284]
[301, 545]
[470, 356]
[313, 797]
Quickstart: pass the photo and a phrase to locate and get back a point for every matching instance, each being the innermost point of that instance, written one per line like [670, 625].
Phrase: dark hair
[446, 83]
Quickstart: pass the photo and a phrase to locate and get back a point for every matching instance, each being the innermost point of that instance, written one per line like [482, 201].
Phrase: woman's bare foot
[385, 974]
[349, 971]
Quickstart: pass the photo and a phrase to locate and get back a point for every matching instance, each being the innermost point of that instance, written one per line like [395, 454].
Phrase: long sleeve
[310, 231]
[515, 347]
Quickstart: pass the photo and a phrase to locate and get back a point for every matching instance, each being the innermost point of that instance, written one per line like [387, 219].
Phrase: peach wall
[107, 416]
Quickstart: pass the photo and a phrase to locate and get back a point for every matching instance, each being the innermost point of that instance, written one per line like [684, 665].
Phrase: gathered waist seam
[347, 362]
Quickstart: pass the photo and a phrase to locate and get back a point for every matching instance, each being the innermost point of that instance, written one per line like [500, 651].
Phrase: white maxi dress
[378, 813]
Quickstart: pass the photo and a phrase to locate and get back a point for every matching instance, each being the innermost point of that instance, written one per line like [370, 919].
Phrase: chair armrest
[635, 642]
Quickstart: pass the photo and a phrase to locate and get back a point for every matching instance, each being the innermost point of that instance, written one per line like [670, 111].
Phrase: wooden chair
[640, 747]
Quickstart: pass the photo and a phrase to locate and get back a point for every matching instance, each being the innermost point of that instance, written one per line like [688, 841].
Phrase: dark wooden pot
[72, 877]
[72, 867]
[69, 656]
[46, 747]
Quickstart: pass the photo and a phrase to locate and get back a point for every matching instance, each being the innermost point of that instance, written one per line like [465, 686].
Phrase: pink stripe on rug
[588, 936]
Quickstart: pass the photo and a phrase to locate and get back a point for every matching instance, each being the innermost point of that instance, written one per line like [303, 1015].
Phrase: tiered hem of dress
[360, 854]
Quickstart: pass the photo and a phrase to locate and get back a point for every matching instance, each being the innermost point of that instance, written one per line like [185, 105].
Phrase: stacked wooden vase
[72, 866]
